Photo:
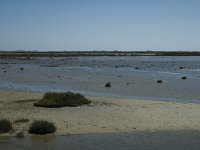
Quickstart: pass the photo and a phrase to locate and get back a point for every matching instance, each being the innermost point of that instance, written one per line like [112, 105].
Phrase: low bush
[42, 127]
[55, 99]
[5, 126]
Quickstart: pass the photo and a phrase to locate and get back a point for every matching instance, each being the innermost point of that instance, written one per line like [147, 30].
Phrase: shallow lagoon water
[130, 77]
[177, 140]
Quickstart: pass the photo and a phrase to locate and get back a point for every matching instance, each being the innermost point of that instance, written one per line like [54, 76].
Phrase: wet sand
[104, 115]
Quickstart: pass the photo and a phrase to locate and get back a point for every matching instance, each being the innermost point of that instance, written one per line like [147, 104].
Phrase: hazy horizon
[75, 25]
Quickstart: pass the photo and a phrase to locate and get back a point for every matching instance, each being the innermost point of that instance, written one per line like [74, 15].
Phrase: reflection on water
[31, 143]
[179, 140]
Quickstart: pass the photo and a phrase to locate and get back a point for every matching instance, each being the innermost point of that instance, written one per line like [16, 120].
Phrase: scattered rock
[159, 81]
[184, 78]
[181, 67]
[108, 84]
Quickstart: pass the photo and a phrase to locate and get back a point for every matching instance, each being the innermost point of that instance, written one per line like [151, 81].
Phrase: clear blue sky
[99, 24]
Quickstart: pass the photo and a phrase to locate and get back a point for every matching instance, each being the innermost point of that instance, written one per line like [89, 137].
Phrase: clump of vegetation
[20, 135]
[21, 120]
[55, 99]
[42, 127]
[159, 81]
[108, 84]
[5, 125]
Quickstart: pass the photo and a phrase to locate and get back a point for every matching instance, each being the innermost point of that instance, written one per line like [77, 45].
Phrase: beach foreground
[104, 115]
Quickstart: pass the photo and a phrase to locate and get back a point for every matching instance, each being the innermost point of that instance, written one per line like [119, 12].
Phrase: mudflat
[130, 77]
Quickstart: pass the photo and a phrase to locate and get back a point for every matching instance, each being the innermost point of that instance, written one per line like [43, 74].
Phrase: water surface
[130, 77]
[178, 140]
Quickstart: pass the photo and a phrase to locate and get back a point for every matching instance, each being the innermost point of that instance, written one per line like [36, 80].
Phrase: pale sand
[102, 116]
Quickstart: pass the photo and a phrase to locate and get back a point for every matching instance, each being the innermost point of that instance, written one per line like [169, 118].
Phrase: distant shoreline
[9, 54]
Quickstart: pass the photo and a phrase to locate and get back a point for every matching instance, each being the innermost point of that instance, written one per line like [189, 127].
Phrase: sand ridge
[102, 116]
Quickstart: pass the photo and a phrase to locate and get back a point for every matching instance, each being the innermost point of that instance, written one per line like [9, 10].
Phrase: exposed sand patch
[13, 95]
[103, 115]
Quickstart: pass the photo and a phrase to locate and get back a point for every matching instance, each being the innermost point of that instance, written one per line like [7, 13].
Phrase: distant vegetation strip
[12, 54]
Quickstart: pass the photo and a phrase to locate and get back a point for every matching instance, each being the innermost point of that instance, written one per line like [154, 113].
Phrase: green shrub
[5, 126]
[42, 127]
[55, 99]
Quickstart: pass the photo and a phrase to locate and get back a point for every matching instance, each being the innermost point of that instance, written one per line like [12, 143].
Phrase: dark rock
[184, 78]
[108, 84]
[181, 67]
[159, 81]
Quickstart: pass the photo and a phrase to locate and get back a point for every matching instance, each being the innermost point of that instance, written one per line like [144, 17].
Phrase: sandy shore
[103, 115]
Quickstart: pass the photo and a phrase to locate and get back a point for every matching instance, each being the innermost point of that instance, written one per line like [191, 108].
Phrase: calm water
[131, 77]
[180, 140]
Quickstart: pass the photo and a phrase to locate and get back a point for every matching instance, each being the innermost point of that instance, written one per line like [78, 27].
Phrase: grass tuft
[42, 127]
[21, 120]
[55, 99]
[5, 125]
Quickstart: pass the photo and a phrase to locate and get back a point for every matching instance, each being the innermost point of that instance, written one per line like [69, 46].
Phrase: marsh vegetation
[56, 99]
[42, 127]
[5, 126]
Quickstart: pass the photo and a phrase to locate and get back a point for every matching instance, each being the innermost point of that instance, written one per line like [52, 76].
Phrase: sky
[51, 25]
